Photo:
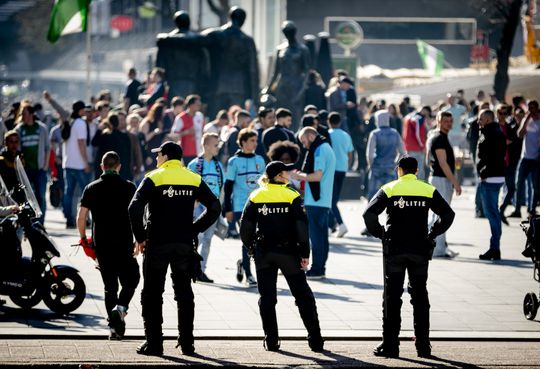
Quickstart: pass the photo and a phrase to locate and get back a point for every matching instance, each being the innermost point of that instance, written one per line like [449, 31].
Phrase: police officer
[169, 194]
[107, 198]
[274, 227]
[407, 246]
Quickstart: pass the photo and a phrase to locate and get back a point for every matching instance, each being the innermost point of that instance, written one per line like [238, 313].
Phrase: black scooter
[28, 280]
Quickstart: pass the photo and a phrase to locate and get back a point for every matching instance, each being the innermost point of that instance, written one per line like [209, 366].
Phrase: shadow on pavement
[438, 362]
[361, 285]
[46, 319]
[333, 359]
[505, 262]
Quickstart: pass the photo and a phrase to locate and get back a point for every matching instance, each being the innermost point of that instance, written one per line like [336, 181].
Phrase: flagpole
[88, 55]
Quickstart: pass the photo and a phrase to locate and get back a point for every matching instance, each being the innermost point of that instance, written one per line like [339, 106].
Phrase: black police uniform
[407, 246]
[169, 194]
[108, 199]
[274, 223]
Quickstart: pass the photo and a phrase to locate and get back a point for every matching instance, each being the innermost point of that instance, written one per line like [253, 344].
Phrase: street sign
[349, 35]
[122, 23]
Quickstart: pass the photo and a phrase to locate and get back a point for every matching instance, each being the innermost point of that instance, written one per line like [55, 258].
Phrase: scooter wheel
[27, 302]
[65, 292]
[530, 306]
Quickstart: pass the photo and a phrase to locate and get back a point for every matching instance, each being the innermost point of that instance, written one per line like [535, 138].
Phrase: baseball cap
[171, 149]
[346, 80]
[275, 167]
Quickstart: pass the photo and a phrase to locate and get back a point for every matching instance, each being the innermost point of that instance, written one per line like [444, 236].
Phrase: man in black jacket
[166, 198]
[407, 246]
[490, 167]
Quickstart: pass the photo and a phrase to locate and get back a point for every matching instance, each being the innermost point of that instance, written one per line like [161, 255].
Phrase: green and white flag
[432, 58]
[68, 16]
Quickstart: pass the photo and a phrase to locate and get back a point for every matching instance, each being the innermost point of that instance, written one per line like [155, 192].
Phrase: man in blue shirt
[209, 168]
[343, 149]
[318, 173]
[243, 171]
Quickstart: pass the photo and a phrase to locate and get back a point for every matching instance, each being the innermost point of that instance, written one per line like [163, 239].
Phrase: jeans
[335, 215]
[420, 157]
[526, 167]
[246, 262]
[445, 188]
[489, 192]
[377, 178]
[205, 238]
[318, 235]
[38, 180]
[510, 182]
[72, 178]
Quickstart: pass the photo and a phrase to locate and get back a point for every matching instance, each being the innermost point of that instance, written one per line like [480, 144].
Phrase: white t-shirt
[71, 155]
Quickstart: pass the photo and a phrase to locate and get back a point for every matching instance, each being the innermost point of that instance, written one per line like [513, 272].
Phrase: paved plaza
[470, 299]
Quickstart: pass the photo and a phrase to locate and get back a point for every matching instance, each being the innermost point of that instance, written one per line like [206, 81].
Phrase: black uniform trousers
[267, 264]
[115, 268]
[394, 276]
[157, 259]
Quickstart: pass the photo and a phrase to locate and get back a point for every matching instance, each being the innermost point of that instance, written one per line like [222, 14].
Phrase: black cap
[275, 167]
[171, 149]
[78, 105]
[408, 164]
[346, 80]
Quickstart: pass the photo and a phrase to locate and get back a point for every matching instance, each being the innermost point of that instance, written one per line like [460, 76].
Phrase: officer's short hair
[408, 164]
[245, 134]
[110, 160]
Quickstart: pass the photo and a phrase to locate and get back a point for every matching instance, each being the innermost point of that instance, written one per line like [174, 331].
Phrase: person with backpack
[210, 169]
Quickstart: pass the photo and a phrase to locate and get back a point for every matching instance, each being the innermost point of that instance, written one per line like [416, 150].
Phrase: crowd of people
[337, 133]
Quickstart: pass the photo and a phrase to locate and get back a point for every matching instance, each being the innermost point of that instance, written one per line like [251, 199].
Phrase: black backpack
[66, 130]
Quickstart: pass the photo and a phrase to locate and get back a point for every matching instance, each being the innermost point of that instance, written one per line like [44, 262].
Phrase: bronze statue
[288, 82]
[182, 55]
[234, 69]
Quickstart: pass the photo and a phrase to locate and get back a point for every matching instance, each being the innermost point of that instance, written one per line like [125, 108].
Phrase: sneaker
[312, 275]
[250, 280]
[490, 255]
[150, 349]
[342, 230]
[117, 321]
[239, 271]
[504, 219]
[386, 350]
[203, 278]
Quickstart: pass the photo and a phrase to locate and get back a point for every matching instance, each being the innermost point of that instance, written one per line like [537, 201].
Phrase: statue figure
[288, 82]
[182, 55]
[234, 75]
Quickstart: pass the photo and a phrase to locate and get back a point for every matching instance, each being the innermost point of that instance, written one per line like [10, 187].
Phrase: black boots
[150, 348]
[316, 343]
[271, 344]
[490, 255]
[386, 350]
